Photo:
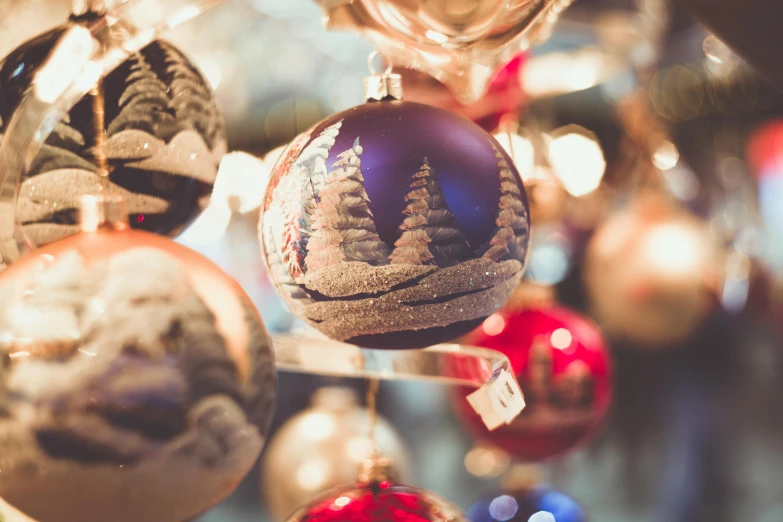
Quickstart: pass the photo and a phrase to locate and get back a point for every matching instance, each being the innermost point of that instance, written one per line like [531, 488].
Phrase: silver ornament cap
[103, 211]
[376, 469]
[381, 86]
[80, 8]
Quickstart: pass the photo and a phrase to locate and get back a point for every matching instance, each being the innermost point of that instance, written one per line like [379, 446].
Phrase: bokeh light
[577, 159]
[521, 150]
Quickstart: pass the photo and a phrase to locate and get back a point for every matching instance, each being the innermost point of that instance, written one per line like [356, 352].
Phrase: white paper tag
[499, 402]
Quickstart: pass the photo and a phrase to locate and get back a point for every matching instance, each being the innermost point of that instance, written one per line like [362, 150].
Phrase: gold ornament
[322, 448]
[650, 271]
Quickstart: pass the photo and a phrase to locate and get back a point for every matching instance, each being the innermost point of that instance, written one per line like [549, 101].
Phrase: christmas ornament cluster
[149, 393]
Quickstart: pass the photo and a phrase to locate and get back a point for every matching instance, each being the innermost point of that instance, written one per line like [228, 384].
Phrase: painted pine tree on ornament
[273, 224]
[299, 193]
[510, 237]
[191, 98]
[343, 207]
[430, 233]
[324, 245]
[144, 103]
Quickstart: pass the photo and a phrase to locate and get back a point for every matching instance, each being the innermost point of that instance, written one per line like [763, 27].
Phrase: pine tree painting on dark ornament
[164, 138]
[395, 225]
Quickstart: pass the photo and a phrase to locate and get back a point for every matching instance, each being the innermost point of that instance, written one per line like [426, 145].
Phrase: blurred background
[626, 97]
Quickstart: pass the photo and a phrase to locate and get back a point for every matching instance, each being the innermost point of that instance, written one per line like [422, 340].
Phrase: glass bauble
[395, 225]
[523, 505]
[562, 364]
[164, 139]
[322, 447]
[379, 501]
[651, 271]
[459, 43]
[137, 381]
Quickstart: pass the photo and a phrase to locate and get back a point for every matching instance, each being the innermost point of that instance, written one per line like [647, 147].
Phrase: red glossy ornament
[562, 364]
[376, 498]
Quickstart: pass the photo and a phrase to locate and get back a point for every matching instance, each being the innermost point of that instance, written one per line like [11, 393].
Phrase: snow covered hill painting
[391, 250]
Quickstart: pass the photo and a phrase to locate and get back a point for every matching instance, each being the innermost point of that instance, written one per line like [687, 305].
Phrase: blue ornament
[537, 504]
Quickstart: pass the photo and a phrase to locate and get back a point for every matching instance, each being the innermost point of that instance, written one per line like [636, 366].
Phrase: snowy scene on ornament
[164, 138]
[127, 391]
[395, 225]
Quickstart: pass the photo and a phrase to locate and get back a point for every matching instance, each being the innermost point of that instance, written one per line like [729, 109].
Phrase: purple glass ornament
[395, 225]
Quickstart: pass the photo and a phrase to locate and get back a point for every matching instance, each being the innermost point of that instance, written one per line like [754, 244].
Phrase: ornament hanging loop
[384, 58]
[87, 8]
[382, 86]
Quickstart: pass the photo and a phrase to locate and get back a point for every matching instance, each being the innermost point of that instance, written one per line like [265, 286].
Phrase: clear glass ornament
[82, 55]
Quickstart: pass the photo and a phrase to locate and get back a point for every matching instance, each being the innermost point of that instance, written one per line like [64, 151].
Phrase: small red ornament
[376, 498]
[561, 362]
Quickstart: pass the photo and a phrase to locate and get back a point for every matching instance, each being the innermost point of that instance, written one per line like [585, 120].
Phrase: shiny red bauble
[562, 364]
[382, 501]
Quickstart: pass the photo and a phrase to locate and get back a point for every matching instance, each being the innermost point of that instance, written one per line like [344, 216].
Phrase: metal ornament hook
[382, 86]
[371, 62]
[83, 8]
